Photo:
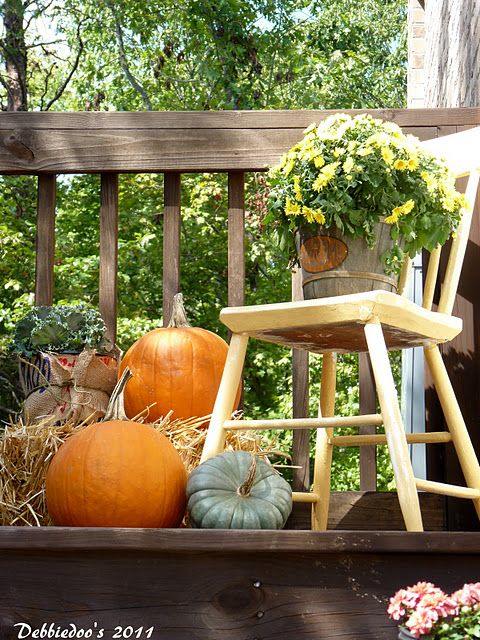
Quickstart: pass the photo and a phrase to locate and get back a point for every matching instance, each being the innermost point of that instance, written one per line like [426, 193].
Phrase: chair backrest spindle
[461, 152]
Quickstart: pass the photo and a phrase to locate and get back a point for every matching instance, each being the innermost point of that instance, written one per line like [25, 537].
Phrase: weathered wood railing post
[45, 239]
[171, 242]
[300, 395]
[109, 252]
[236, 241]
[236, 238]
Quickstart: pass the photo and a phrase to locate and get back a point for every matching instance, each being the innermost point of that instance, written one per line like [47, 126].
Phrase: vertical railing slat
[236, 242]
[300, 378]
[109, 252]
[368, 405]
[171, 242]
[45, 240]
[236, 238]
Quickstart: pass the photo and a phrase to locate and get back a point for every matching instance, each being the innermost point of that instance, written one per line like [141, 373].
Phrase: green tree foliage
[190, 55]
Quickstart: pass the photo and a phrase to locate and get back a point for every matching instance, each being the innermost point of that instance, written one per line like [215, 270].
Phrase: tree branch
[124, 62]
[66, 82]
[43, 44]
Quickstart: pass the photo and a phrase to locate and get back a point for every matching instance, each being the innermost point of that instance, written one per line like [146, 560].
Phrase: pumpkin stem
[115, 409]
[178, 317]
[245, 487]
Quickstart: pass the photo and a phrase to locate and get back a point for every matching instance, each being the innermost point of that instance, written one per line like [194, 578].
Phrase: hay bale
[26, 451]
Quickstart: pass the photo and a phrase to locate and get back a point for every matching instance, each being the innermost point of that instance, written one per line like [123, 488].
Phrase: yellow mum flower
[348, 164]
[291, 208]
[309, 214]
[326, 174]
[400, 165]
[319, 182]
[387, 155]
[402, 210]
[329, 170]
[310, 154]
[412, 163]
[364, 151]
[319, 161]
[338, 151]
[296, 188]
[393, 217]
[313, 216]
[407, 207]
[429, 181]
[289, 164]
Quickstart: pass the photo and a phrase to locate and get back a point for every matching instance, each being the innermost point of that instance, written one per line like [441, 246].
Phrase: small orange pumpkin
[175, 368]
[117, 473]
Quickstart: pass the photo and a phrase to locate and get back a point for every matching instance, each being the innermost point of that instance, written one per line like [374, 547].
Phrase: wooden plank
[321, 586]
[171, 242]
[109, 252]
[236, 239]
[99, 539]
[45, 240]
[300, 395]
[368, 404]
[263, 119]
[372, 511]
[161, 148]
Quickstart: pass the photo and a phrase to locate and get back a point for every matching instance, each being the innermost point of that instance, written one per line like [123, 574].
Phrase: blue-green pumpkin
[236, 490]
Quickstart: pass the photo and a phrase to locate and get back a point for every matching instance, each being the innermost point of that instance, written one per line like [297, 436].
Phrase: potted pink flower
[425, 611]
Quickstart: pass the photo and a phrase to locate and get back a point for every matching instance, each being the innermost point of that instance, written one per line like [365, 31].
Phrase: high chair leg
[323, 448]
[454, 419]
[232, 373]
[394, 429]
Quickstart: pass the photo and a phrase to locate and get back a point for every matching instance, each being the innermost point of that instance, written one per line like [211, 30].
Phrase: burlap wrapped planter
[335, 265]
[67, 385]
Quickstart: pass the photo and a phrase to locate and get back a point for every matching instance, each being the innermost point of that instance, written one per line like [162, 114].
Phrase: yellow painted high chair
[376, 321]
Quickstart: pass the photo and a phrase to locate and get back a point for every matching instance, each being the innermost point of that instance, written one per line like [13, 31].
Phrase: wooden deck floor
[222, 585]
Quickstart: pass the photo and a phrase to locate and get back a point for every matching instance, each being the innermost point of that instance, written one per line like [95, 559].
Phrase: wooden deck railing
[47, 144]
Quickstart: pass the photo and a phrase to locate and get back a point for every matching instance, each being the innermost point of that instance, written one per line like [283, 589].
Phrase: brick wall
[416, 54]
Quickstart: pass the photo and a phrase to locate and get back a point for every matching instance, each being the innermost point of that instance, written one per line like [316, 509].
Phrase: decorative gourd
[117, 473]
[236, 490]
[175, 368]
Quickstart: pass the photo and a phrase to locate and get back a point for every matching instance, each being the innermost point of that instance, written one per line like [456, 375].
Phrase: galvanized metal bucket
[335, 265]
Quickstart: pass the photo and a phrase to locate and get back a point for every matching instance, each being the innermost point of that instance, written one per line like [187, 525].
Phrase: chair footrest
[304, 496]
[381, 438]
[305, 423]
[447, 489]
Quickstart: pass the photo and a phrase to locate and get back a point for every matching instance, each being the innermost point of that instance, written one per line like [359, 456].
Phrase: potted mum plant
[425, 611]
[67, 366]
[353, 198]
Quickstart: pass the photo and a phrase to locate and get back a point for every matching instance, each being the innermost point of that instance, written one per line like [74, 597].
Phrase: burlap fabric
[67, 386]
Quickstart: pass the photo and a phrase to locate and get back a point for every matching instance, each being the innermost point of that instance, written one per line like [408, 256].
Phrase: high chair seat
[334, 324]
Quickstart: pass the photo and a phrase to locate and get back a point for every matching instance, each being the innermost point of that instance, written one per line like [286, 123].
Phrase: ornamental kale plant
[61, 328]
[352, 173]
[429, 613]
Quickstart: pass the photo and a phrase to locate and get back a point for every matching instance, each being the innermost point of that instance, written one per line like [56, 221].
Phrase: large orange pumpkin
[117, 473]
[175, 368]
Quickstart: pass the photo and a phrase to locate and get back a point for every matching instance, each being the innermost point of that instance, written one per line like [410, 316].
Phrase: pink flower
[439, 602]
[468, 596]
[405, 600]
[421, 621]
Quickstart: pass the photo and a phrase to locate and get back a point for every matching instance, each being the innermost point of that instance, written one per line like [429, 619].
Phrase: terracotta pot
[335, 265]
